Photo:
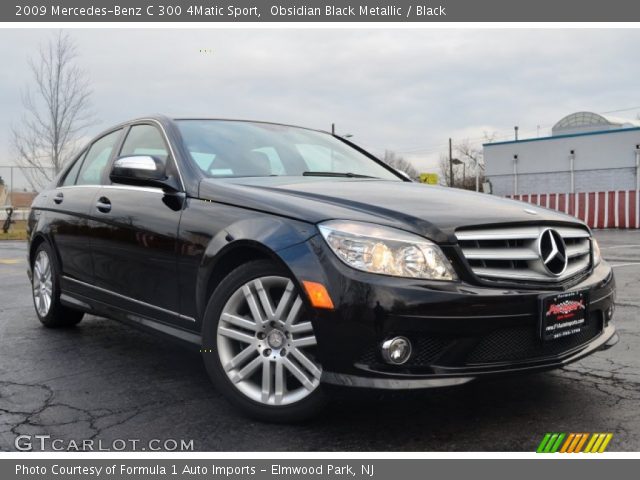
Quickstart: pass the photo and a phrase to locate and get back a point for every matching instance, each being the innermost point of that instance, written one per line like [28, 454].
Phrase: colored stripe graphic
[592, 440]
[556, 445]
[574, 442]
[543, 443]
[598, 442]
[552, 440]
[550, 443]
[570, 444]
[605, 443]
[583, 440]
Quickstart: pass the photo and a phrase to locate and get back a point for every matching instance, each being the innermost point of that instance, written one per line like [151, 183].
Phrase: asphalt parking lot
[104, 381]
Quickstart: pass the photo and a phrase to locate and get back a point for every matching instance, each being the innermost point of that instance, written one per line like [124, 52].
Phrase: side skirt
[95, 307]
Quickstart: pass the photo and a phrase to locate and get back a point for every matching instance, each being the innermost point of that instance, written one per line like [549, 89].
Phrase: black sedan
[294, 259]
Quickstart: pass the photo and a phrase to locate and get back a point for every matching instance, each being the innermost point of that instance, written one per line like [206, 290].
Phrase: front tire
[259, 345]
[45, 285]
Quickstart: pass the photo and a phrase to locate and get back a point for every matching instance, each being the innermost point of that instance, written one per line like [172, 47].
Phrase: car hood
[435, 212]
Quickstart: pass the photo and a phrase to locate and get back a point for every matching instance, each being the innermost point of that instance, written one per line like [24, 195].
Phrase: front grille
[523, 343]
[514, 253]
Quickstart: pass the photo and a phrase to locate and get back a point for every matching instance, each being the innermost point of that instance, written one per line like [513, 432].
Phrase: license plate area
[563, 315]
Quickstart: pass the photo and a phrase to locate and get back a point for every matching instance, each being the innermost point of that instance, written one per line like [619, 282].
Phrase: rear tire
[258, 345]
[45, 288]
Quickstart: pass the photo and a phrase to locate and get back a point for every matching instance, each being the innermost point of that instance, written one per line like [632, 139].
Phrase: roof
[581, 124]
[556, 137]
[589, 121]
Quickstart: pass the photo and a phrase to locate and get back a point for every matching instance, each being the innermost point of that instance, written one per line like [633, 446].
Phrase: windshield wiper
[336, 174]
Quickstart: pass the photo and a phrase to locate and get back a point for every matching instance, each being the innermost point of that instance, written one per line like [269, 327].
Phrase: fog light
[396, 350]
[610, 311]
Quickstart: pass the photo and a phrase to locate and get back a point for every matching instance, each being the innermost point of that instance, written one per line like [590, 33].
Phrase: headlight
[384, 250]
[597, 257]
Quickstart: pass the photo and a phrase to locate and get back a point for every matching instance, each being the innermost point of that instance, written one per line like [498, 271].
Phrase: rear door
[72, 201]
[135, 255]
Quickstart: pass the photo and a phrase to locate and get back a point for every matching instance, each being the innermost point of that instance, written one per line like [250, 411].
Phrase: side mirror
[142, 170]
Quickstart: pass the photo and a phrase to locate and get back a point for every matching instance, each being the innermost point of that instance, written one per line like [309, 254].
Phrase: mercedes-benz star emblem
[553, 252]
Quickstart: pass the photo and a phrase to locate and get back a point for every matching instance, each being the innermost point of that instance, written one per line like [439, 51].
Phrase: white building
[586, 152]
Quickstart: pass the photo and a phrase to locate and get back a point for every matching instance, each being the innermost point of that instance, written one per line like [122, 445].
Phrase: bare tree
[473, 171]
[443, 167]
[471, 174]
[399, 163]
[57, 110]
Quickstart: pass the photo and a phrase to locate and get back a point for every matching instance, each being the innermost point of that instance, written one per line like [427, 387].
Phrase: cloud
[407, 90]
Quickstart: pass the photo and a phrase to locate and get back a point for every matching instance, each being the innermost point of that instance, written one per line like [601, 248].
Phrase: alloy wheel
[42, 283]
[266, 345]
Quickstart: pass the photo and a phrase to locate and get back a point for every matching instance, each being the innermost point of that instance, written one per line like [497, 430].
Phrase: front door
[134, 255]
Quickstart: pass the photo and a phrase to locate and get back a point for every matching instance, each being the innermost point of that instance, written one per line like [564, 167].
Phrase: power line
[502, 135]
[622, 110]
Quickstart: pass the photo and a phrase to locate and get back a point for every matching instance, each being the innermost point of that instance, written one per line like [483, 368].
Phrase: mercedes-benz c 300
[294, 259]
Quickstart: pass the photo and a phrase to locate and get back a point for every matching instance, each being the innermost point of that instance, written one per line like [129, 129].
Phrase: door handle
[58, 198]
[104, 205]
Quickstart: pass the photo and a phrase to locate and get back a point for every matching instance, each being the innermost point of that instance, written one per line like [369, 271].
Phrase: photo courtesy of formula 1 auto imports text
[319, 239]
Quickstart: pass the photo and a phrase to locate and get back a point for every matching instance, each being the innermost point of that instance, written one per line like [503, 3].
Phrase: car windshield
[226, 148]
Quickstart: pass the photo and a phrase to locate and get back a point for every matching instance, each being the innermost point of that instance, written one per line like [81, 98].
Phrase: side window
[97, 159]
[145, 140]
[72, 174]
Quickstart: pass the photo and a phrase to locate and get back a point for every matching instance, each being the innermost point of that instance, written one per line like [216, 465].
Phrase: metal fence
[612, 209]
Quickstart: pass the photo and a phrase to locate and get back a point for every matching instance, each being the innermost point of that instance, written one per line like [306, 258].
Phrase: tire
[268, 348]
[45, 289]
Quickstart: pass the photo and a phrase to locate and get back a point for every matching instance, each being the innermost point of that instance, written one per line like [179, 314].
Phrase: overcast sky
[405, 90]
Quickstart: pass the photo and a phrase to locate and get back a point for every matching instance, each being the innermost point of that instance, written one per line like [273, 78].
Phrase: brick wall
[601, 180]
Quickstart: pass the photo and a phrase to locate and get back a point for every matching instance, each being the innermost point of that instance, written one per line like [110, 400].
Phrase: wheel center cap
[275, 339]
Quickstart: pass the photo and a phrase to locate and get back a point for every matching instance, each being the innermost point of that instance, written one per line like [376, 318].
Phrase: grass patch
[17, 231]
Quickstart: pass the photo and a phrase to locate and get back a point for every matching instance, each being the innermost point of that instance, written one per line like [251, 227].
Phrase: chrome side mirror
[141, 170]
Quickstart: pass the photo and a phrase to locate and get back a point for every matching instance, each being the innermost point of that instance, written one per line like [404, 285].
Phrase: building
[586, 152]
[587, 156]
[21, 199]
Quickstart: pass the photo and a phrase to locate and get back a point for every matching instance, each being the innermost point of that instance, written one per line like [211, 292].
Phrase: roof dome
[588, 122]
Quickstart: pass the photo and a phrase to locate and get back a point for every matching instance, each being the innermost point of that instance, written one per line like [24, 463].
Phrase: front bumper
[459, 331]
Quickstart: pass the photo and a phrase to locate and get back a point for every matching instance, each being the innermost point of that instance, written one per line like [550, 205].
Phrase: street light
[333, 132]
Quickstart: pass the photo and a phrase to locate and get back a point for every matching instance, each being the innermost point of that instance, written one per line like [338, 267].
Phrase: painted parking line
[625, 264]
[9, 261]
[619, 246]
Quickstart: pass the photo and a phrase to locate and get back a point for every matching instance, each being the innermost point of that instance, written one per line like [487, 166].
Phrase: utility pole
[11, 188]
[516, 128]
[450, 163]
[333, 129]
